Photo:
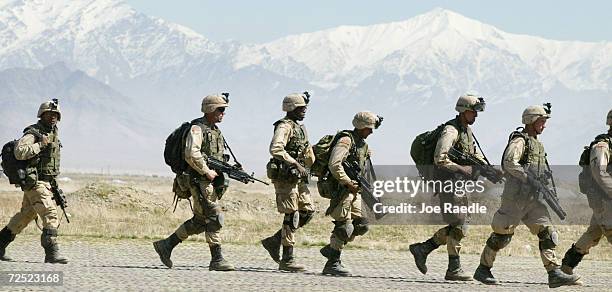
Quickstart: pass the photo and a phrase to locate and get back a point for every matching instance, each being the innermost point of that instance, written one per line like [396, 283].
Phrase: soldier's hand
[499, 172]
[352, 187]
[44, 141]
[211, 174]
[301, 170]
[467, 170]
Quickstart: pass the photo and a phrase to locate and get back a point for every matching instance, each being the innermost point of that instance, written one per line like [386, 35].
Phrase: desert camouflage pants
[600, 226]
[291, 198]
[196, 224]
[37, 201]
[452, 234]
[348, 209]
[531, 212]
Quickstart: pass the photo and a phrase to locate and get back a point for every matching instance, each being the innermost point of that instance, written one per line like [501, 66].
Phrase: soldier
[520, 203]
[456, 133]
[600, 200]
[345, 205]
[204, 139]
[291, 155]
[40, 147]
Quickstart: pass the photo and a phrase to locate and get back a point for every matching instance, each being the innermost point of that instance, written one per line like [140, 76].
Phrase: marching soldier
[524, 153]
[600, 200]
[40, 148]
[345, 205]
[203, 139]
[291, 155]
[458, 134]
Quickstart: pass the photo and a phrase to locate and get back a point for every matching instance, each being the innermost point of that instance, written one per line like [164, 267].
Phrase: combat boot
[272, 244]
[6, 237]
[454, 271]
[557, 278]
[483, 274]
[164, 248]
[327, 251]
[420, 251]
[48, 240]
[571, 259]
[217, 262]
[288, 262]
[334, 266]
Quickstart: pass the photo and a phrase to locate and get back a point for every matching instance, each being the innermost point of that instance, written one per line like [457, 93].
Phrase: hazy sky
[260, 21]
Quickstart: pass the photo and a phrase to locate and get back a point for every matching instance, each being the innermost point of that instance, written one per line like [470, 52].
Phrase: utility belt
[280, 170]
[220, 183]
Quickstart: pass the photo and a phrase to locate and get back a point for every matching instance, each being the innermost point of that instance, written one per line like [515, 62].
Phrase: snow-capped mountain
[410, 71]
[107, 39]
[437, 49]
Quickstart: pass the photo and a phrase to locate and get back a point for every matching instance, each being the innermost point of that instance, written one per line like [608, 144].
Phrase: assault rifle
[353, 171]
[483, 168]
[233, 171]
[546, 194]
[59, 198]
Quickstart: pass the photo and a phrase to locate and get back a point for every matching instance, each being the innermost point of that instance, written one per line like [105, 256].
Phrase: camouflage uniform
[345, 206]
[290, 146]
[454, 134]
[43, 167]
[600, 201]
[520, 204]
[203, 140]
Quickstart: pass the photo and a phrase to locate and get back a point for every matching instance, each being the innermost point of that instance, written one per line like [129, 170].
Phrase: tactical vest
[534, 155]
[47, 162]
[213, 143]
[298, 140]
[534, 158]
[358, 151]
[465, 140]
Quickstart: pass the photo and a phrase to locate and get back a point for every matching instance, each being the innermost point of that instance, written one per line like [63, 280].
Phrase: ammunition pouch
[279, 170]
[180, 187]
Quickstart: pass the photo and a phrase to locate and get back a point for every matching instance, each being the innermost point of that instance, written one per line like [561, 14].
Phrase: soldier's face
[50, 118]
[364, 133]
[540, 125]
[300, 113]
[218, 114]
[470, 116]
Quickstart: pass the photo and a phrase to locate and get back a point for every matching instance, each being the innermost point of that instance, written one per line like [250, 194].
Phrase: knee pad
[360, 226]
[292, 220]
[549, 238]
[305, 217]
[457, 232]
[195, 225]
[498, 241]
[214, 223]
[343, 230]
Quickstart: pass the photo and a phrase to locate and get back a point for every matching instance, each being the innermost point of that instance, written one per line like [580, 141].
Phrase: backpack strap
[519, 133]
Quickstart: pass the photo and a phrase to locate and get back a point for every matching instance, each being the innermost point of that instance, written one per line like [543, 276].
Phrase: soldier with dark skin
[204, 139]
[291, 155]
[520, 202]
[600, 200]
[40, 147]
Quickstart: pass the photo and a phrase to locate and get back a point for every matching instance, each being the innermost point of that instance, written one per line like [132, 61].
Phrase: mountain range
[128, 79]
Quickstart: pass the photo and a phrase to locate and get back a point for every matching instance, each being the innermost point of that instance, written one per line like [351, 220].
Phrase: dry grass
[140, 207]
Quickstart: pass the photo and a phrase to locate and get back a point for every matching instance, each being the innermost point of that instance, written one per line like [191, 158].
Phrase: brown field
[140, 207]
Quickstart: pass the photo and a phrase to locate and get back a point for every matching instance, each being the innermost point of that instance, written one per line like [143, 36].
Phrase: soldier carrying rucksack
[33, 163]
[430, 151]
[596, 182]
[202, 140]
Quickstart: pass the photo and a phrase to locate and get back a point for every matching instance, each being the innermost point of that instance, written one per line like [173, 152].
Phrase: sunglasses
[221, 109]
